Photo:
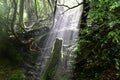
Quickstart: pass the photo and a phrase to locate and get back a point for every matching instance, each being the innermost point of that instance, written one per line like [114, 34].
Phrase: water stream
[66, 27]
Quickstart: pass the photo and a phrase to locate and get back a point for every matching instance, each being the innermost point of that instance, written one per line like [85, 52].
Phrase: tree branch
[13, 20]
[70, 7]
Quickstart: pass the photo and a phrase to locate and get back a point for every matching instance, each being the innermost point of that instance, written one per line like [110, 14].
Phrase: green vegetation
[20, 22]
[98, 52]
[10, 70]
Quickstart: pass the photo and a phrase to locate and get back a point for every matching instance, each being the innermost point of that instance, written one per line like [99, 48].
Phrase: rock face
[52, 65]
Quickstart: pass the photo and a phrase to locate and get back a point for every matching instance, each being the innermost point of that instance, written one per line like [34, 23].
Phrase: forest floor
[10, 70]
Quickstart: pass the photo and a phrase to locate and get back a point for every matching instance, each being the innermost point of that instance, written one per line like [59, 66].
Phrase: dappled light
[59, 40]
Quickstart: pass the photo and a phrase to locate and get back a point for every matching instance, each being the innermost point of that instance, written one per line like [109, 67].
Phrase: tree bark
[21, 11]
[52, 65]
[13, 21]
[86, 9]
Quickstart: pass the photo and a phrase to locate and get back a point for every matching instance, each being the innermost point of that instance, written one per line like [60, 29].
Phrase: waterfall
[66, 27]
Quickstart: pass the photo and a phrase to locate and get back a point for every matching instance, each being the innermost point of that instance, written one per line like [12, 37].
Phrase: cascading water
[66, 27]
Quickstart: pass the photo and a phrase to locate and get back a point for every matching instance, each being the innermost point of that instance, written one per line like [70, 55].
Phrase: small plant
[17, 75]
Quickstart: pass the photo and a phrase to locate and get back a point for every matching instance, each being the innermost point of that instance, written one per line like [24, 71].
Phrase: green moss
[52, 65]
[9, 71]
[17, 75]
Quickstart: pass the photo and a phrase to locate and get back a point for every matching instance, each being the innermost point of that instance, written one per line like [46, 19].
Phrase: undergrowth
[98, 54]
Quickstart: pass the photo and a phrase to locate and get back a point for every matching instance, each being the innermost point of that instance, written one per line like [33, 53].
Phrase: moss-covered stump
[51, 68]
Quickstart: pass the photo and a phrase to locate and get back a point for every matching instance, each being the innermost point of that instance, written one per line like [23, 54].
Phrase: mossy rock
[17, 75]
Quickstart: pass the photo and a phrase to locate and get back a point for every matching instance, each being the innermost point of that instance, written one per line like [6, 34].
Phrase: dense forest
[24, 25]
[98, 53]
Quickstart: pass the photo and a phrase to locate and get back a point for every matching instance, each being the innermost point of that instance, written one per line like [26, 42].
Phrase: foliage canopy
[98, 53]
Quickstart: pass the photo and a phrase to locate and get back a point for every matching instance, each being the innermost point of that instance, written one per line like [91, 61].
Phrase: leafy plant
[98, 54]
[17, 75]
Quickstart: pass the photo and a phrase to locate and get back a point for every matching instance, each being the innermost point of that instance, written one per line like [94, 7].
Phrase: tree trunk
[21, 11]
[86, 9]
[13, 21]
[52, 65]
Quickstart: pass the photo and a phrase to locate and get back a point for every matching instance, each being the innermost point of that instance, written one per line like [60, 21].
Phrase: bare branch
[70, 7]
[63, 5]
